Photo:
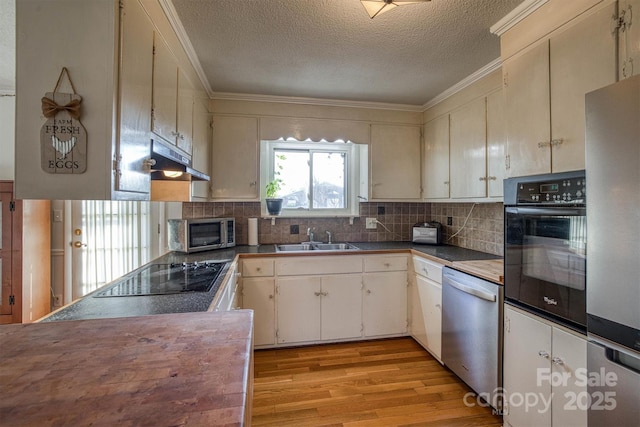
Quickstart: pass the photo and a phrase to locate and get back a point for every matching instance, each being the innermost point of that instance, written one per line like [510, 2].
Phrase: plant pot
[274, 206]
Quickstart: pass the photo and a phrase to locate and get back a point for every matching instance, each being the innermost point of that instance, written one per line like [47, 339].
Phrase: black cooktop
[164, 279]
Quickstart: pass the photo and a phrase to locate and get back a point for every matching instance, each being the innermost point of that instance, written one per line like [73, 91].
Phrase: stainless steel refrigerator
[613, 254]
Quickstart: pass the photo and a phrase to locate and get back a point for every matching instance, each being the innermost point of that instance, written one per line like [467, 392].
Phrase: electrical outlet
[449, 220]
[56, 301]
[371, 223]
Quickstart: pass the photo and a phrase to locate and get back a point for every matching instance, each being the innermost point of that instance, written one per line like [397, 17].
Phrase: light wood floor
[392, 382]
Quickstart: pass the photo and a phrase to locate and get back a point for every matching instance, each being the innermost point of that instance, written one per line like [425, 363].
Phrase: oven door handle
[546, 211]
[472, 291]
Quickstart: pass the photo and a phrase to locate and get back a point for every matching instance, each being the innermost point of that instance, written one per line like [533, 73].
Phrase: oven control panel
[567, 191]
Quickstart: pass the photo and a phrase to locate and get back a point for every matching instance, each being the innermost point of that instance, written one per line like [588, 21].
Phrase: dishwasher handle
[472, 291]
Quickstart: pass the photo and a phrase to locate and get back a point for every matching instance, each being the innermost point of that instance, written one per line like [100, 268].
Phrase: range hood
[171, 165]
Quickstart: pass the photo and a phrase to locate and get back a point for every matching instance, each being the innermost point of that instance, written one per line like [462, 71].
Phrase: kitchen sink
[304, 247]
[293, 248]
[333, 246]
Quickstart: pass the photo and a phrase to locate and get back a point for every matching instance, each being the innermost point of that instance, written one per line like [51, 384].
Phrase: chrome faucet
[310, 234]
[329, 234]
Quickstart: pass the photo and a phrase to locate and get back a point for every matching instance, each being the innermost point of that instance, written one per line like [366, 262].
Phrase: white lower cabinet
[258, 294]
[306, 299]
[384, 304]
[426, 305]
[544, 368]
[319, 308]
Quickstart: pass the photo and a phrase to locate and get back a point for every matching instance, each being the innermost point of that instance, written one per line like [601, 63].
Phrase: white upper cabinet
[496, 143]
[526, 87]
[468, 141]
[545, 87]
[395, 162]
[172, 99]
[435, 162]
[200, 157]
[108, 51]
[234, 161]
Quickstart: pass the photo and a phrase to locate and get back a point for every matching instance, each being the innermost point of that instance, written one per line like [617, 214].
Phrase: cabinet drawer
[429, 269]
[385, 263]
[300, 266]
[257, 267]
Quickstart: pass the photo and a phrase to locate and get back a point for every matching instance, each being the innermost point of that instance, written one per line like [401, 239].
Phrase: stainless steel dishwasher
[472, 332]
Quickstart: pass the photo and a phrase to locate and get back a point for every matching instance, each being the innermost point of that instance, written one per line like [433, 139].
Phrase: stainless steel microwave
[202, 234]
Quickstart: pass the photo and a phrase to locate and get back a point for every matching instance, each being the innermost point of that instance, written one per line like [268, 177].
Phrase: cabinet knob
[483, 178]
[492, 178]
[543, 354]
[317, 293]
[557, 361]
[438, 306]
[270, 296]
[426, 272]
[556, 142]
[368, 291]
[386, 264]
[258, 269]
[446, 183]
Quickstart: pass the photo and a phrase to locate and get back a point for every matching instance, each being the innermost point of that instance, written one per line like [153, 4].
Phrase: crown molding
[176, 24]
[466, 82]
[226, 96]
[523, 10]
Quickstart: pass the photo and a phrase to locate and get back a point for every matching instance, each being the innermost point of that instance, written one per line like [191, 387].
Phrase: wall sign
[63, 139]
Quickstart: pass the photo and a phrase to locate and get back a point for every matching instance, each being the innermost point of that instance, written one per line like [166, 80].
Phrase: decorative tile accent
[483, 230]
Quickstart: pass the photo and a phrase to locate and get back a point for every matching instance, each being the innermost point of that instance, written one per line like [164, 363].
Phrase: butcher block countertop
[491, 269]
[160, 370]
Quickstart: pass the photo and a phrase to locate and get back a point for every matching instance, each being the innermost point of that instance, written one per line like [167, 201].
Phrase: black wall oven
[545, 246]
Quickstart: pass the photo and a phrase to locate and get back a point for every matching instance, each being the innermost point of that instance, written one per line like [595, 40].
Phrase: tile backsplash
[483, 230]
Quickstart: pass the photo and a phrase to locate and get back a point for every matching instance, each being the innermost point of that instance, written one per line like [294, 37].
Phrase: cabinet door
[427, 303]
[234, 158]
[527, 353]
[435, 162]
[628, 36]
[526, 86]
[582, 59]
[201, 144]
[496, 143]
[165, 91]
[184, 124]
[258, 294]
[298, 307]
[395, 162]
[341, 310]
[385, 303]
[569, 355]
[468, 142]
[133, 145]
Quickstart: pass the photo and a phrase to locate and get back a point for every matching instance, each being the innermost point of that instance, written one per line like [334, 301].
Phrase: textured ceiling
[331, 49]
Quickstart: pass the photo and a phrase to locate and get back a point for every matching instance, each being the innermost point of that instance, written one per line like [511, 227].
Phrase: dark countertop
[178, 369]
[90, 307]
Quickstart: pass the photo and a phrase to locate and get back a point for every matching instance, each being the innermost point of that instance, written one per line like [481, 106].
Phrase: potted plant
[274, 203]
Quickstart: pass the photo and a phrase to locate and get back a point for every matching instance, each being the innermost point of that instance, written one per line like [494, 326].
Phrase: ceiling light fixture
[378, 7]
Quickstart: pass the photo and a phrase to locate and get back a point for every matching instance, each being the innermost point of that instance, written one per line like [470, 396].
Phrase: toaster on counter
[429, 233]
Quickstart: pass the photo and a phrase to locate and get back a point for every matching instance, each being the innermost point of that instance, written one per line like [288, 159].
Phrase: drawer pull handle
[426, 271]
[543, 354]
[557, 361]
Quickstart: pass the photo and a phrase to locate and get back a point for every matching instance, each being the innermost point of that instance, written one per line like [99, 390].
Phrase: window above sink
[319, 179]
